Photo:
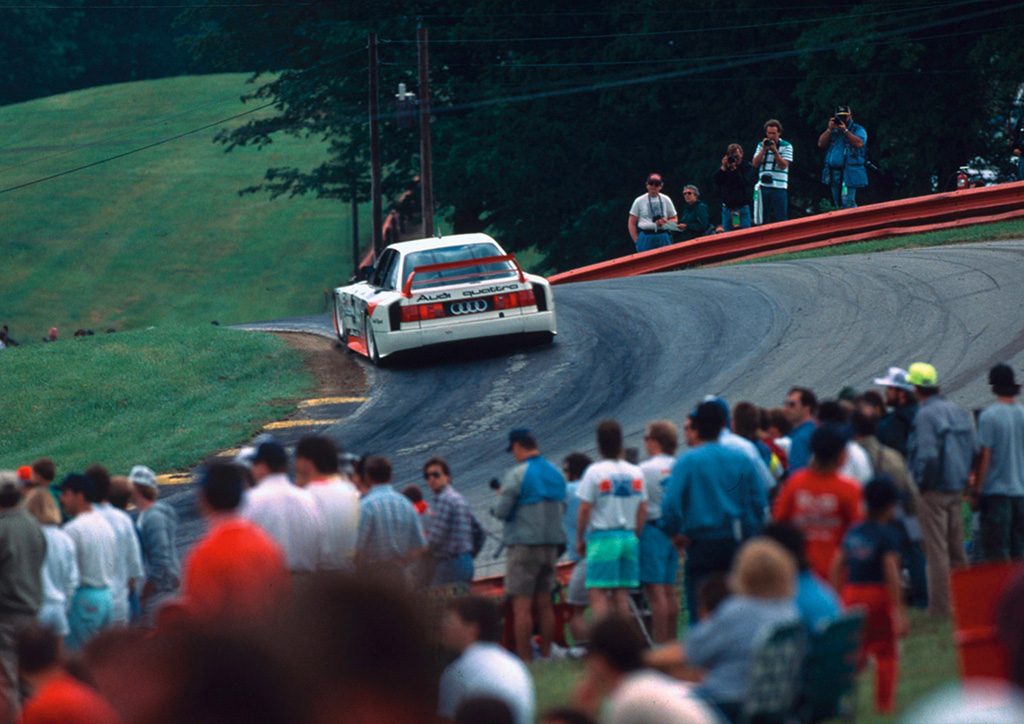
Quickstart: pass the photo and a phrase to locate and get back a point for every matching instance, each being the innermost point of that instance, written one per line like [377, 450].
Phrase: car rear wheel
[371, 344]
[339, 322]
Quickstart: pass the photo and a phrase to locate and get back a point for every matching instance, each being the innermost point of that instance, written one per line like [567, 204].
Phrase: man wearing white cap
[894, 428]
[157, 524]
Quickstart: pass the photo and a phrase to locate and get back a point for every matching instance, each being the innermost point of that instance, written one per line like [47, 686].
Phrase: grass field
[165, 397]
[161, 236]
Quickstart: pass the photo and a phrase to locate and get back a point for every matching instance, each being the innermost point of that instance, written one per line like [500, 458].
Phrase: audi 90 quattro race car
[434, 291]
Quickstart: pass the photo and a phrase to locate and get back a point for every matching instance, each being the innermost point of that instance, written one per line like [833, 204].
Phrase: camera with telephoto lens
[734, 159]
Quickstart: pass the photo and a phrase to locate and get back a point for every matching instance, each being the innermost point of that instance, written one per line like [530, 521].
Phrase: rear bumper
[400, 340]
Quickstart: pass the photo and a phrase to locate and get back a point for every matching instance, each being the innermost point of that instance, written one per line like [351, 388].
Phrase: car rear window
[462, 275]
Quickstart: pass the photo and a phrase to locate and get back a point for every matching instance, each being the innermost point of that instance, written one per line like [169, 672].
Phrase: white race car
[434, 291]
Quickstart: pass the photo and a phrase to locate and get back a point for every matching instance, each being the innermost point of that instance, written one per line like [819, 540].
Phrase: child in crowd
[866, 572]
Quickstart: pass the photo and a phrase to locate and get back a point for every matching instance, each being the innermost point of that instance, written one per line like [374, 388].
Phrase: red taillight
[526, 298]
[506, 301]
[419, 312]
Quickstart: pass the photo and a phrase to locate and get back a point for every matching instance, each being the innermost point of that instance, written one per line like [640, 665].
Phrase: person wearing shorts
[659, 559]
[531, 502]
[614, 507]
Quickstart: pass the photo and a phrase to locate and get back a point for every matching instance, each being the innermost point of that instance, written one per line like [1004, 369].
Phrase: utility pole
[378, 214]
[426, 163]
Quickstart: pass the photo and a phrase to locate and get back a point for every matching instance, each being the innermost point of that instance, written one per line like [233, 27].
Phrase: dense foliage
[547, 119]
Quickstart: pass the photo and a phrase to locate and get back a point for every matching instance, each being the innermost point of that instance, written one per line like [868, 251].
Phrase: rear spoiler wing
[407, 289]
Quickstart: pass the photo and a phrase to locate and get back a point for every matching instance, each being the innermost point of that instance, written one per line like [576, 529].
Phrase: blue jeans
[744, 214]
[646, 241]
[1002, 527]
[774, 204]
[839, 199]
[453, 570]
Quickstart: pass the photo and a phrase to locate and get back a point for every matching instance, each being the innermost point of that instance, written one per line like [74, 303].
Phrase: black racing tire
[339, 323]
[371, 344]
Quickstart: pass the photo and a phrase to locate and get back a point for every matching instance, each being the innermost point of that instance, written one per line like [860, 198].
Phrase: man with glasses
[694, 219]
[649, 214]
[448, 527]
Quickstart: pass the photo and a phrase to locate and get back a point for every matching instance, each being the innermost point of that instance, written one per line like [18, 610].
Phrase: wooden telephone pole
[426, 162]
[378, 214]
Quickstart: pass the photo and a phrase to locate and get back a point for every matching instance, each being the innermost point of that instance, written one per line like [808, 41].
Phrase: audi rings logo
[471, 307]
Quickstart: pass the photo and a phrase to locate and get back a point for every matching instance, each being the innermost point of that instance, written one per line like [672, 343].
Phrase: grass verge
[995, 231]
[929, 661]
[164, 397]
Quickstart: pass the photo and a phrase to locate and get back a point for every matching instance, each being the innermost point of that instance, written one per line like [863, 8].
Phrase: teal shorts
[613, 559]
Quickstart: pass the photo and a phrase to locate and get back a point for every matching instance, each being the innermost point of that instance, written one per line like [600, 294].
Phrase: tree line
[547, 119]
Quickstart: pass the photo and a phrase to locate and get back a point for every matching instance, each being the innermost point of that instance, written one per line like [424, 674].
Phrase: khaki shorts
[530, 570]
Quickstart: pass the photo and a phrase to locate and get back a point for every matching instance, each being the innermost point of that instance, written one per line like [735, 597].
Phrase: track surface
[650, 347]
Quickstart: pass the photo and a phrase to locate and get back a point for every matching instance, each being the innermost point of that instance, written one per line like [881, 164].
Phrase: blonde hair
[41, 505]
[764, 569]
[665, 434]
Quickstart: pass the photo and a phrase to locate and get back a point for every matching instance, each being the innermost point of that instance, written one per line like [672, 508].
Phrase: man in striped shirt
[772, 159]
[390, 537]
[449, 528]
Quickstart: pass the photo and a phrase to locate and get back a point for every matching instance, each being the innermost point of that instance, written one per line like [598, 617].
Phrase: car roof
[407, 247]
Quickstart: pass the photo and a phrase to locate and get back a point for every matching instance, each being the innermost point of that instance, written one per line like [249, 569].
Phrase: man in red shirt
[236, 570]
[55, 695]
[819, 501]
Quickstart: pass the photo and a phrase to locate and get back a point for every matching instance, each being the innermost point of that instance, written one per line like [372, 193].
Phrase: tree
[37, 48]
[547, 121]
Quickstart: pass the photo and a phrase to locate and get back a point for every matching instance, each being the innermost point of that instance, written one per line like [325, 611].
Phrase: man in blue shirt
[800, 409]
[714, 501]
[845, 159]
[1000, 476]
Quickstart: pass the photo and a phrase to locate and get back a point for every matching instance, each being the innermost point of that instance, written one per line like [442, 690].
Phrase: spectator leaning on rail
[940, 453]
[531, 502]
[771, 160]
[845, 158]
[735, 179]
[649, 213]
[999, 483]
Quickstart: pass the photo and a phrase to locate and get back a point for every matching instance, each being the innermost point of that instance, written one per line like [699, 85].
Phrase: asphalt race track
[650, 347]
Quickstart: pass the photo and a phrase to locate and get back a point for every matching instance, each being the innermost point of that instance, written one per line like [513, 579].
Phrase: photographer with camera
[844, 170]
[648, 214]
[772, 159]
[736, 181]
[531, 502]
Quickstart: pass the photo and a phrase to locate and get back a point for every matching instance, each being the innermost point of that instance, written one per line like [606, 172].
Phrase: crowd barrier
[906, 216]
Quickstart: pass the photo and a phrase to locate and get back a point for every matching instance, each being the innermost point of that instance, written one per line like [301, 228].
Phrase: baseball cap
[1001, 376]
[896, 377]
[141, 475]
[654, 177]
[922, 374]
[521, 435]
[272, 454]
[78, 483]
[842, 110]
[25, 473]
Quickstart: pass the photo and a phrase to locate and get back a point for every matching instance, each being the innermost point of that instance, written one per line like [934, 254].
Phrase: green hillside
[162, 235]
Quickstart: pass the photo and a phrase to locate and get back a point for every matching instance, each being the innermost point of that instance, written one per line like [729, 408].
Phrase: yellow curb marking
[330, 401]
[173, 479]
[284, 424]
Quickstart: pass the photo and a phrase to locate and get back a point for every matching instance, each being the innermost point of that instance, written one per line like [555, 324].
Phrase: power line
[133, 151]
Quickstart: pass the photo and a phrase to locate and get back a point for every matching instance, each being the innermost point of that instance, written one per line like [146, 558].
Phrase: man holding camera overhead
[772, 159]
[735, 178]
[844, 170]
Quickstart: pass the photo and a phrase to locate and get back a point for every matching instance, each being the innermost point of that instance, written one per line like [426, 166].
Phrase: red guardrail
[924, 213]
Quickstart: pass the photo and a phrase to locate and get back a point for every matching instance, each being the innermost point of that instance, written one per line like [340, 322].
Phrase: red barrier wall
[924, 213]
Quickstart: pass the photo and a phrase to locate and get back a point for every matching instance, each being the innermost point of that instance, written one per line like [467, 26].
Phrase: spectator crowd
[319, 592]
[752, 192]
